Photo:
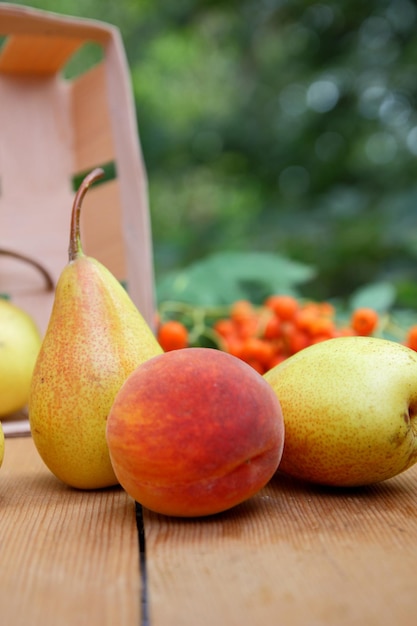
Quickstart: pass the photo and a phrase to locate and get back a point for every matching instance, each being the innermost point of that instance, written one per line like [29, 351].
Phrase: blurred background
[287, 127]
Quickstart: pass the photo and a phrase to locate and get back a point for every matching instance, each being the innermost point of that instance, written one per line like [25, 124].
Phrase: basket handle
[50, 284]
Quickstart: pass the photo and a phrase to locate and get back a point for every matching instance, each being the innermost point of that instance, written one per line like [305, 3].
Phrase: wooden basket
[52, 129]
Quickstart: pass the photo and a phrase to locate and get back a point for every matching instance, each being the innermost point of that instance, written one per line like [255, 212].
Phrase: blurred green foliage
[225, 277]
[277, 126]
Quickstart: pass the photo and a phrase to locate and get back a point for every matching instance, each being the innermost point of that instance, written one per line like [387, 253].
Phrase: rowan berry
[319, 338]
[327, 309]
[276, 360]
[364, 321]
[241, 310]
[255, 349]
[172, 335]
[322, 326]
[411, 340]
[224, 327]
[284, 306]
[234, 346]
[296, 339]
[272, 328]
[256, 366]
[305, 319]
[247, 328]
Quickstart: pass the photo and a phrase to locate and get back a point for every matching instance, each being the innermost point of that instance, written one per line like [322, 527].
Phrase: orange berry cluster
[283, 326]
[266, 335]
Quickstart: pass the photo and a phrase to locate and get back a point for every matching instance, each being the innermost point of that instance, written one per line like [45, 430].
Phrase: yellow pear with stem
[95, 338]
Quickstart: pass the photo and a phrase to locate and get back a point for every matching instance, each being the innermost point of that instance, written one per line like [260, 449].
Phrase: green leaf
[225, 277]
[379, 296]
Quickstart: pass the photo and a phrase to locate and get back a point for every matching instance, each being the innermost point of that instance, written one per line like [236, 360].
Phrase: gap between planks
[295, 554]
[69, 557]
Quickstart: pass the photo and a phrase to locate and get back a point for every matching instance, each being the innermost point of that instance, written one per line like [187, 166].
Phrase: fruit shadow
[287, 506]
[282, 484]
[347, 509]
[43, 489]
[49, 482]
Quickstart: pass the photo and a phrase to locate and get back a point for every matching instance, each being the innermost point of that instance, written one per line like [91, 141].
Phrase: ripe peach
[194, 432]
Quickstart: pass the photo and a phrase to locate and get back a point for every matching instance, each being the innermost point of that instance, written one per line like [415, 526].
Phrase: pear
[95, 338]
[20, 342]
[350, 410]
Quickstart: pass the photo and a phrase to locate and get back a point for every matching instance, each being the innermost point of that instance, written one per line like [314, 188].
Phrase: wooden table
[294, 555]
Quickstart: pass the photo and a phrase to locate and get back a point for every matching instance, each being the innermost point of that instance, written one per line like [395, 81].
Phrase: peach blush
[194, 432]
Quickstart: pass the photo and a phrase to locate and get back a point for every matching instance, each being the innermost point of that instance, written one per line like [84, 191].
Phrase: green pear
[95, 338]
[349, 407]
[20, 341]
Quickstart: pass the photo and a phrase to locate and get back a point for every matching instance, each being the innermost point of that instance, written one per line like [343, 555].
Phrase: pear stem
[75, 248]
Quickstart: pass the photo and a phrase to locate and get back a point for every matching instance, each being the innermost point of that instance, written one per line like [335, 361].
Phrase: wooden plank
[90, 115]
[293, 555]
[35, 55]
[67, 556]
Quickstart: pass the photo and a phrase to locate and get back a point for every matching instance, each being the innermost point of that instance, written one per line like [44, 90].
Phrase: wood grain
[67, 557]
[296, 555]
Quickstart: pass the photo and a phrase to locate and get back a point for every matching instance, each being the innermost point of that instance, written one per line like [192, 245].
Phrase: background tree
[282, 126]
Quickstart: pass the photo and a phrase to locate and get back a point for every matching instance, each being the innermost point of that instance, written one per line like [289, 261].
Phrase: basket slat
[28, 21]
[93, 139]
[36, 56]
[102, 206]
